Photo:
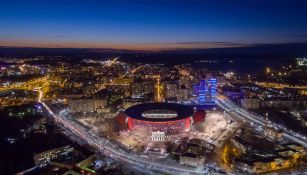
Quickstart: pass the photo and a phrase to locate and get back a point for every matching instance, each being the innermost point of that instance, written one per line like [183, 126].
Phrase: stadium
[166, 117]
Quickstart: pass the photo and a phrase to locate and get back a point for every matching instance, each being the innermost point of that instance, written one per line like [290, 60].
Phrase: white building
[158, 136]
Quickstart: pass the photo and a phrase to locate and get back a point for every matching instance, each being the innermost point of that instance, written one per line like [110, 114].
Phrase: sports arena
[166, 117]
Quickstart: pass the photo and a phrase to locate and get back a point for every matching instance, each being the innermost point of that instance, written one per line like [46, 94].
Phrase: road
[110, 148]
[29, 85]
[238, 112]
[113, 150]
[106, 146]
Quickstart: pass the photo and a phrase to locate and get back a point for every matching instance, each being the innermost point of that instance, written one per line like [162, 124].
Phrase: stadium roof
[159, 112]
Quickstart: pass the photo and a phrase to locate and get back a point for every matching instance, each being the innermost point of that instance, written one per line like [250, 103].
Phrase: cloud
[212, 43]
[61, 36]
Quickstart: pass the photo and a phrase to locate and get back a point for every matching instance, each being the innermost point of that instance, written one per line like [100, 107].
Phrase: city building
[171, 91]
[233, 93]
[128, 102]
[249, 155]
[88, 105]
[199, 116]
[289, 103]
[195, 152]
[163, 117]
[273, 133]
[46, 157]
[212, 91]
[189, 159]
[158, 136]
[183, 93]
[250, 103]
[139, 89]
[206, 91]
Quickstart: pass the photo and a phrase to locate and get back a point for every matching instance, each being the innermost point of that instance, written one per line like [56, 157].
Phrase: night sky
[156, 24]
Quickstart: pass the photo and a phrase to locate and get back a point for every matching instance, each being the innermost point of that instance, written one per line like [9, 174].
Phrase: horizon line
[230, 46]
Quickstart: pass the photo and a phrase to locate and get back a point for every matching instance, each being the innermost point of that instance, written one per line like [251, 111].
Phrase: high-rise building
[202, 92]
[206, 91]
[211, 92]
[159, 91]
[171, 90]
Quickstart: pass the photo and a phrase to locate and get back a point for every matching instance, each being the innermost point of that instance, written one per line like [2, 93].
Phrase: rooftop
[159, 111]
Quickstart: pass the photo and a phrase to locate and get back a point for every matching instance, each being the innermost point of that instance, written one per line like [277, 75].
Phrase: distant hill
[285, 50]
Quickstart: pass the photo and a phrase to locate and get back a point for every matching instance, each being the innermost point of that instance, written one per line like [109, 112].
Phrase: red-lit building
[199, 116]
[166, 117]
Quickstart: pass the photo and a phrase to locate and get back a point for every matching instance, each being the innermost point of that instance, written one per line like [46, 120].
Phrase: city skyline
[151, 87]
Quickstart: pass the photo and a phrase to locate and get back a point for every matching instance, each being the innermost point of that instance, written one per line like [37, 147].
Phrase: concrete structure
[88, 105]
[158, 136]
[171, 90]
[44, 158]
[252, 160]
[142, 88]
[189, 159]
[164, 117]
[183, 93]
[283, 103]
[250, 103]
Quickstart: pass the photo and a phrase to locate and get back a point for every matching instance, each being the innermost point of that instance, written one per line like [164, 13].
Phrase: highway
[229, 106]
[110, 148]
[113, 150]
[29, 85]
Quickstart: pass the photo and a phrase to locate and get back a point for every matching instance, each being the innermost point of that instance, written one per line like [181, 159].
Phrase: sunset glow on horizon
[150, 25]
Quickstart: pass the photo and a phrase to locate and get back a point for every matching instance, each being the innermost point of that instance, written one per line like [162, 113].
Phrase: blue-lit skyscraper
[211, 95]
[206, 91]
[202, 91]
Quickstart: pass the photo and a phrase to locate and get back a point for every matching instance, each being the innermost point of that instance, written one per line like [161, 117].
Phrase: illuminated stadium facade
[165, 117]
